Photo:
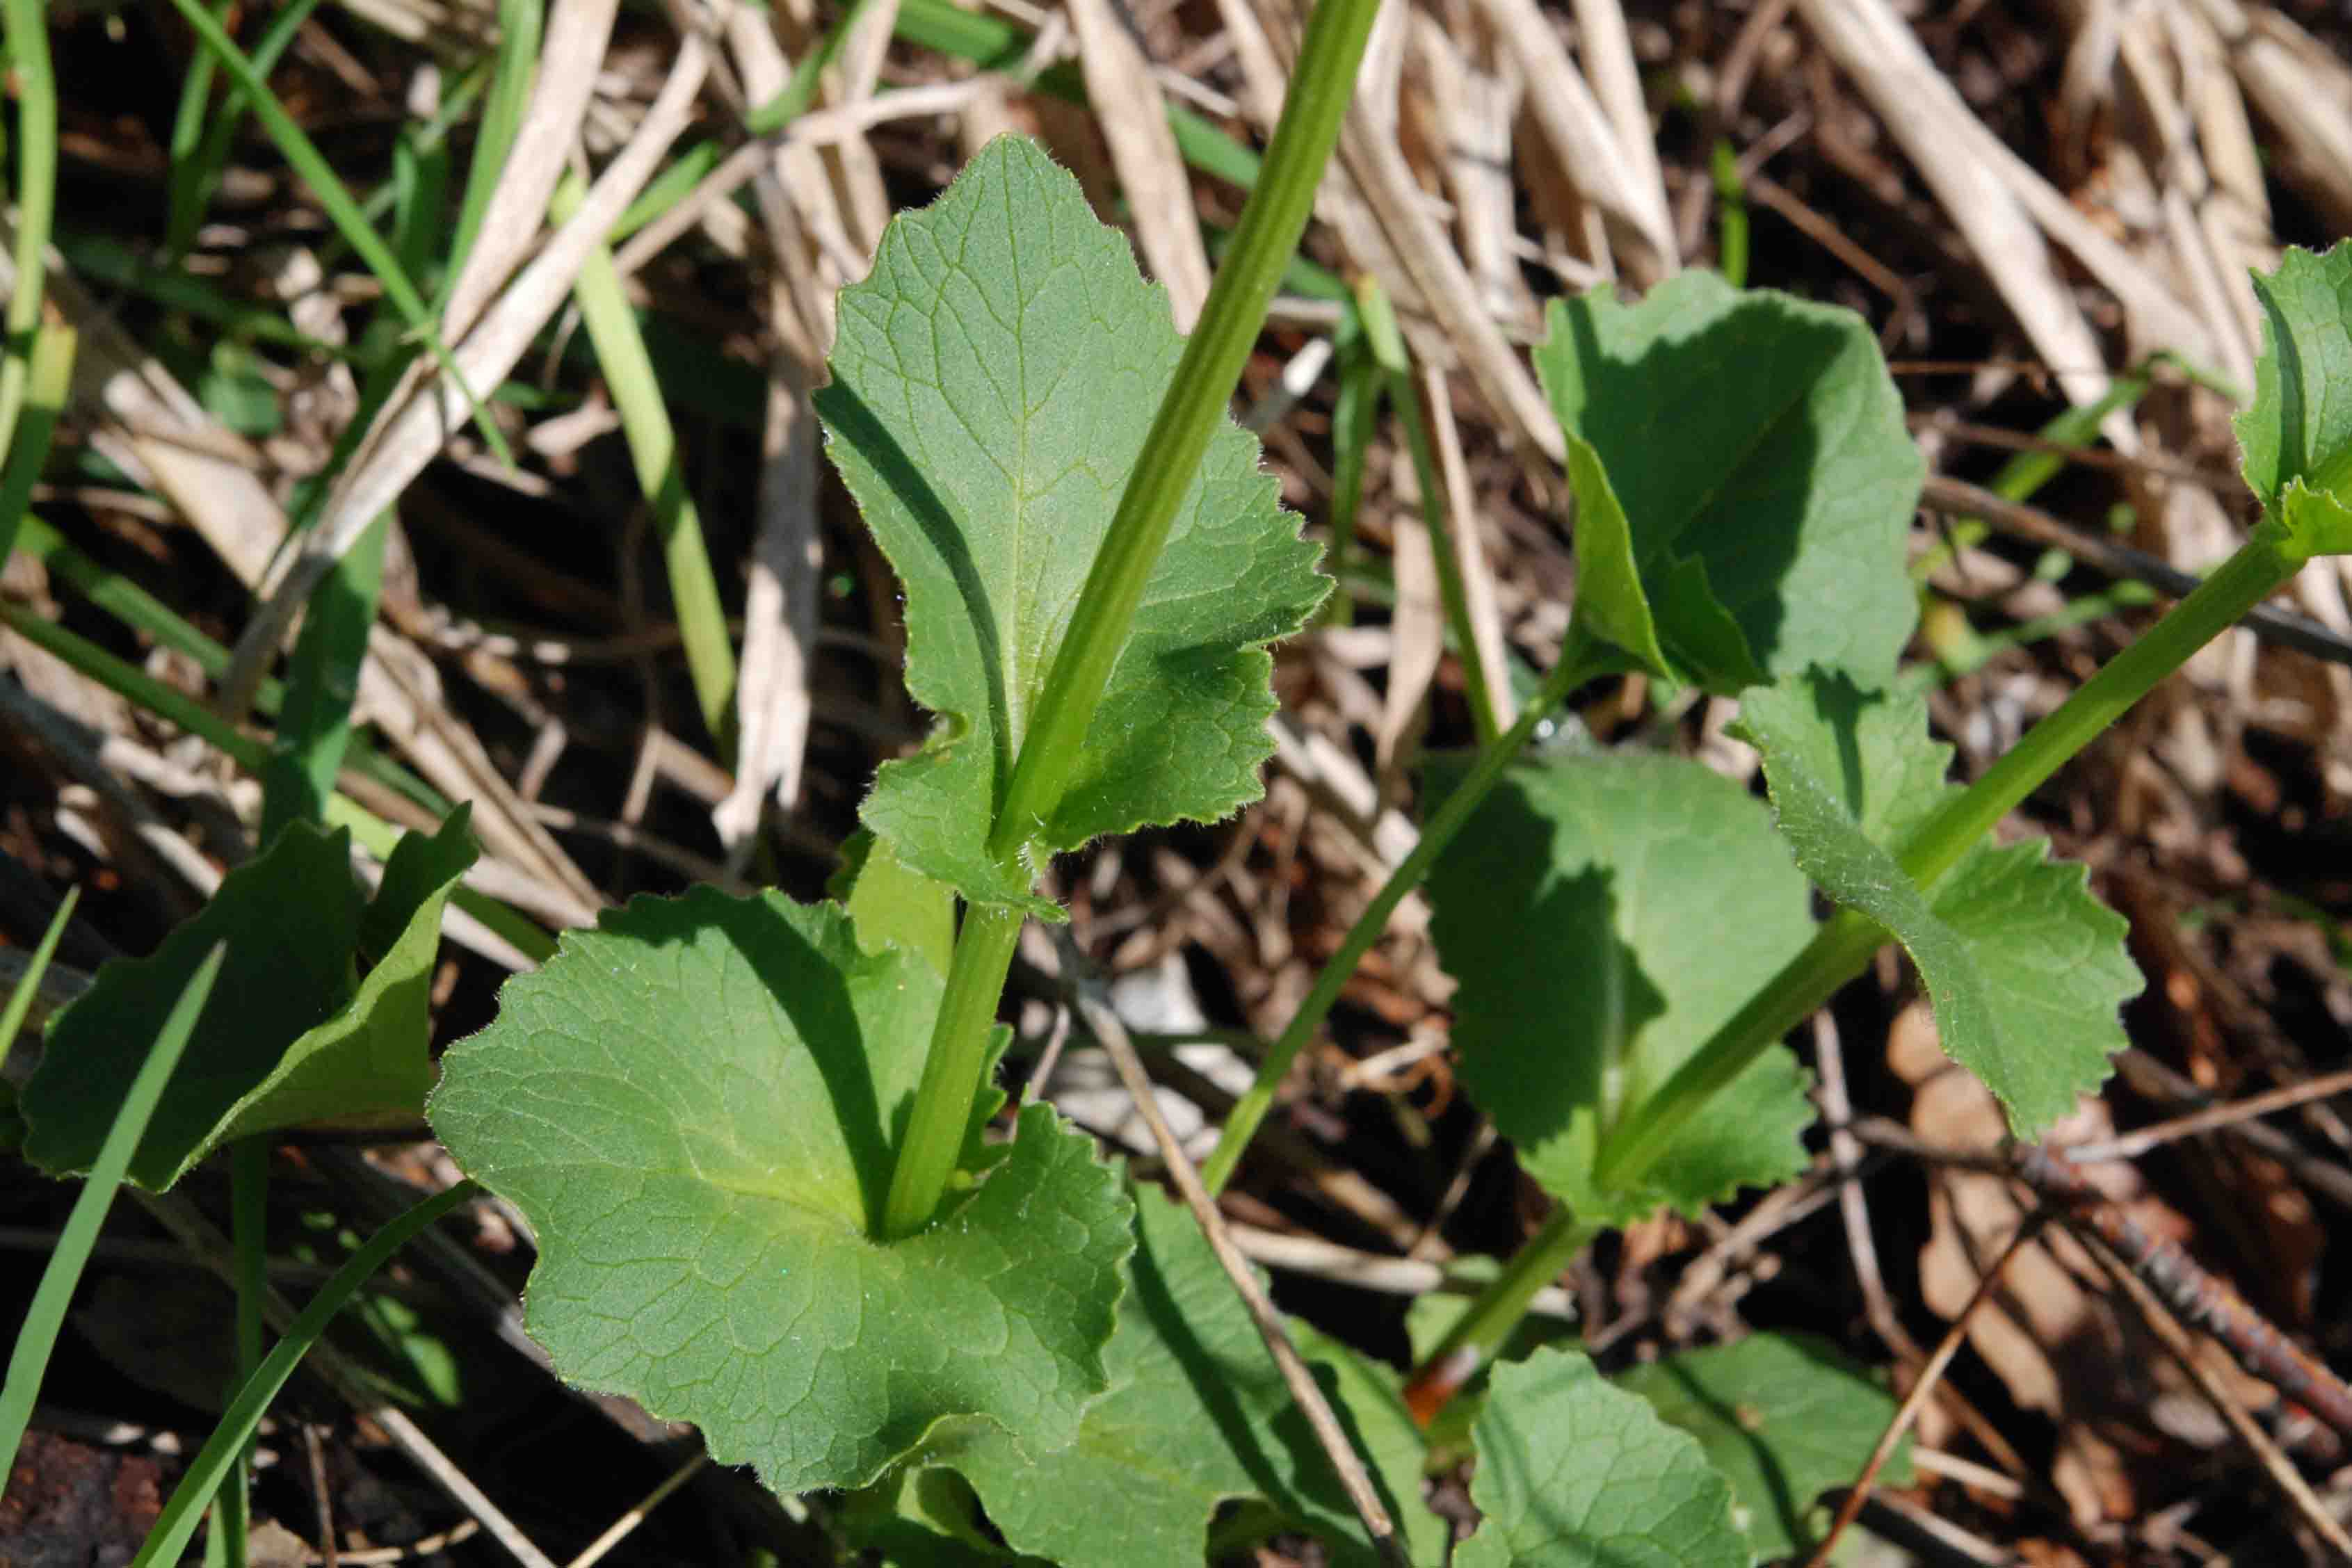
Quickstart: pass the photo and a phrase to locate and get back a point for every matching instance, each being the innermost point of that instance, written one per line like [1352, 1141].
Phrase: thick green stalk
[934, 1128]
[1204, 381]
[1196, 400]
[1487, 1322]
[2244, 580]
[1579, 661]
[1844, 947]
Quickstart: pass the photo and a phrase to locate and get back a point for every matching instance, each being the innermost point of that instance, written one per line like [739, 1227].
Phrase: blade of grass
[46, 389]
[1355, 415]
[653, 448]
[192, 184]
[1730, 216]
[177, 1523]
[26, 30]
[341, 209]
[196, 169]
[1388, 349]
[38, 1336]
[521, 25]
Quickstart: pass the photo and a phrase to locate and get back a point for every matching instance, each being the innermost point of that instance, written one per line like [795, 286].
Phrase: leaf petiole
[1845, 945]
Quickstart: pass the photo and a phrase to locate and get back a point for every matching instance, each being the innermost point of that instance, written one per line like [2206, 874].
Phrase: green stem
[1498, 1310]
[1396, 372]
[249, 1175]
[1579, 661]
[935, 1129]
[2244, 580]
[653, 446]
[36, 194]
[1842, 947]
[47, 387]
[1196, 400]
[1204, 384]
[1353, 414]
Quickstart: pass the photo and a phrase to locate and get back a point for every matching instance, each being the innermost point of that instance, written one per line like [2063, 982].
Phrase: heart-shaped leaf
[1604, 915]
[1573, 1473]
[2025, 968]
[696, 1104]
[992, 382]
[1748, 484]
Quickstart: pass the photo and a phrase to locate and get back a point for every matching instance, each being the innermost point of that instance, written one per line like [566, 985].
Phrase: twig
[2211, 1119]
[1106, 1028]
[1372, 1272]
[2192, 1291]
[428, 1458]
[318, 1455]
[618, 1531]
[1917, 1400]
[2273, 625]
[2184, 1350]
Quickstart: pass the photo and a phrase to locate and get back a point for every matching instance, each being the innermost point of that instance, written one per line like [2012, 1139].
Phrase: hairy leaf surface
[2026, 970]
[1750, 481]
[1573, 1473]
[1604, 915]
[993, 383]
[695, 1105]
[1783, 1418]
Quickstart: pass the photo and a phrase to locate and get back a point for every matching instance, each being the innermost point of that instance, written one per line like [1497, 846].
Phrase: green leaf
[371, 1060]
[1753, 446]
[2300, 426]
[1373, 1393]
[695, 1106]
[1604, 915]
[892, 905]
[1573, 1473]
[1197, 1415]
[2026, 970]
[290, 918]
[2317, 522]
[993, 380]
[1783, 1418]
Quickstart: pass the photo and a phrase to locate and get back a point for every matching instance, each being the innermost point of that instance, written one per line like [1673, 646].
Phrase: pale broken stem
[1106, 1028]
[421, 412]
[2183, 1349]
[1921, 1391]
[2209, 1120]
[618, 1531]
